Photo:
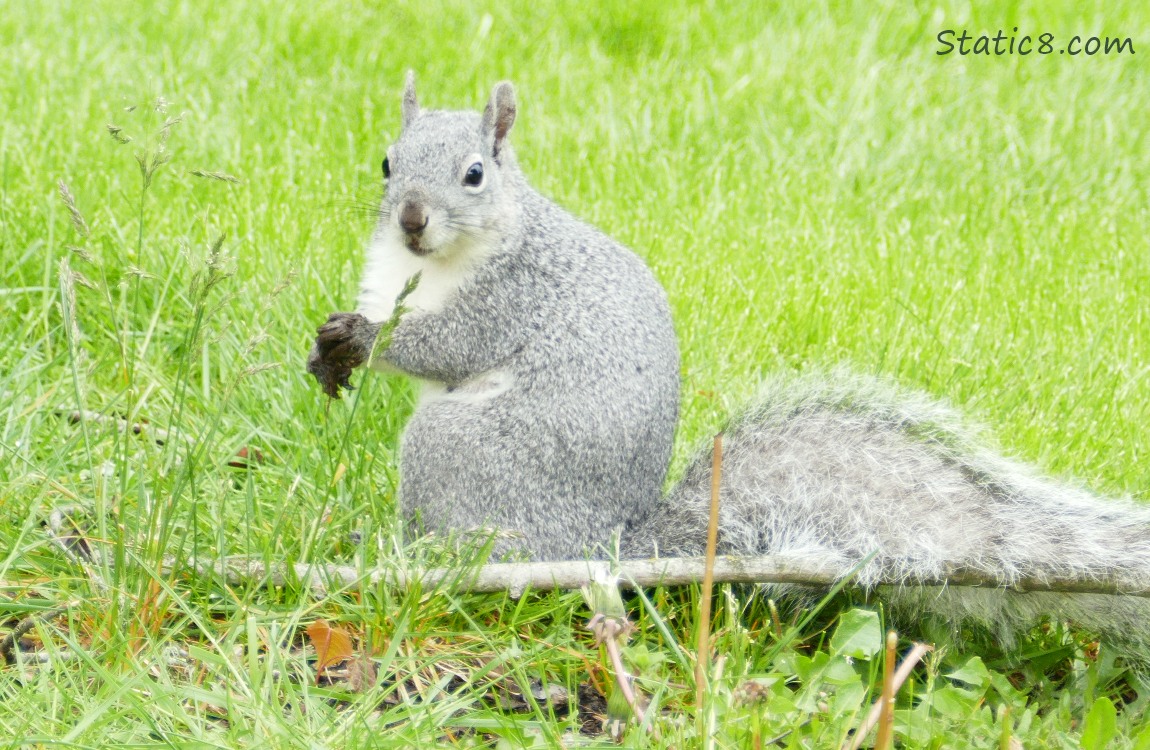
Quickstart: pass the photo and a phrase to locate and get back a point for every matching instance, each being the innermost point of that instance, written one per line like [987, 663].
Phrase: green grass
[813, 185]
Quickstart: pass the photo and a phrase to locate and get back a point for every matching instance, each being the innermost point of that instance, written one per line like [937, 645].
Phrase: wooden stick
[10, 643]
[704, 649]
[158, 435]
[900, 676]
[886, 713]
[672, 571]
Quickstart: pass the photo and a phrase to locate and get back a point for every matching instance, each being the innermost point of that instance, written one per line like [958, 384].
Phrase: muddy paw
[337, 351]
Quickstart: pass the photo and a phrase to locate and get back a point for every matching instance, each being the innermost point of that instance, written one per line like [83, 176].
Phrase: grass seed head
[73, 212]
[221, 176]
[118, 134]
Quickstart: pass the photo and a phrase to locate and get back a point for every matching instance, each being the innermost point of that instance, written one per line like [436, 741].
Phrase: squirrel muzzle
[413, 217]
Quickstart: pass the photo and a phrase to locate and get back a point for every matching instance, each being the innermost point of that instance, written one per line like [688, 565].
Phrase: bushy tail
[832, 468]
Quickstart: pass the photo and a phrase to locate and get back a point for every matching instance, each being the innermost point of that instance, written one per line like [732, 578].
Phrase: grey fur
[499, 116]
[834, 467]
[410, 108]
[551, 376]
[568, 330]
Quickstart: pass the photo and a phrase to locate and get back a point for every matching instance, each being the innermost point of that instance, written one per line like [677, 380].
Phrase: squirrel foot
[337, 351]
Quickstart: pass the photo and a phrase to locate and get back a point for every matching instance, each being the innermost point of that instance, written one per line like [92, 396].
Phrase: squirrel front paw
[339, 349]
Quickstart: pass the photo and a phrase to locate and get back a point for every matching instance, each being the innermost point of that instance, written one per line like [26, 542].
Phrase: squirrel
[550, 394]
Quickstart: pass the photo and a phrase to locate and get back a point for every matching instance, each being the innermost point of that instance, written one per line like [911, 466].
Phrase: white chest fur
[476, 391]
[390, 265]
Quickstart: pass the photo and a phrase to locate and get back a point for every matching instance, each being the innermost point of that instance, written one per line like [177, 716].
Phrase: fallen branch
[158, 435]
[547, 576]
[10, 644]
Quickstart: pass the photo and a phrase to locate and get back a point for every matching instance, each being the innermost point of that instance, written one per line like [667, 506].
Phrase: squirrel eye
[474, 176]
[386, 168]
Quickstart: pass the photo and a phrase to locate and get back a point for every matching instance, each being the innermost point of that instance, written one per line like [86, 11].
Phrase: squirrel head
[451, 177]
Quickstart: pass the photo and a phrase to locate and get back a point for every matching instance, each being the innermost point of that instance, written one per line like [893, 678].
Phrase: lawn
[186, 190]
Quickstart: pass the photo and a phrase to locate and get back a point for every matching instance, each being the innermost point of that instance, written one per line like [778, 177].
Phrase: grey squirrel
[550, 373]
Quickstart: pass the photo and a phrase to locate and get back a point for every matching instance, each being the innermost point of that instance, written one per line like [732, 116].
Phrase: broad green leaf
[955, 702]
[1142, 742]
[1100, 726]
[973, 672]
[858, 635]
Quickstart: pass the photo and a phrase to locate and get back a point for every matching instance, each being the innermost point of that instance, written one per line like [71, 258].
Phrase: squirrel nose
[413, 218]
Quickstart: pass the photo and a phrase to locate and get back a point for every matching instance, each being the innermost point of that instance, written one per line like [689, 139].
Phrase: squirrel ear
[499, 115]
[410, 103]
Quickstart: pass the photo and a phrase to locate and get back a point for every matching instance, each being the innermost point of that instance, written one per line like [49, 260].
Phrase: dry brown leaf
[361, 674]
[332, 645]
[247, 458]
